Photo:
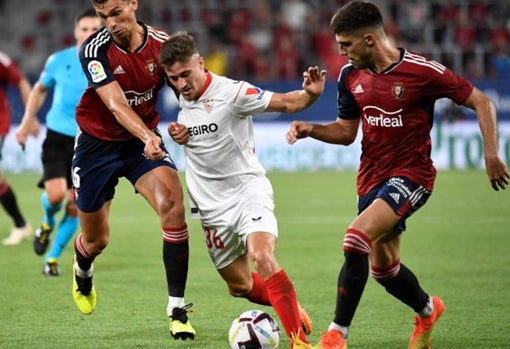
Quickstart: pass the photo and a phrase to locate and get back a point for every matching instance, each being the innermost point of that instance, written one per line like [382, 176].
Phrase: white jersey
[221, 165]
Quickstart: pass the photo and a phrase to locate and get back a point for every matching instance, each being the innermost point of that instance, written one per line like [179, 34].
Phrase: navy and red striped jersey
[396, 108]
[138, 73]
[9, 76]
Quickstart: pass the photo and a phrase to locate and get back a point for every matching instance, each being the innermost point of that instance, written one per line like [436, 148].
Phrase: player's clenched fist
[152, 149]
[178, 132]
[298, 130]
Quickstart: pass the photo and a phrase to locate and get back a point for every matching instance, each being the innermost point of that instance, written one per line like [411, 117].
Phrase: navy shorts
[57, 156]
[403, 195]
[98, 165]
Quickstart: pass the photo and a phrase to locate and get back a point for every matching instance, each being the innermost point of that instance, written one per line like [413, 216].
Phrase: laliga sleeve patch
[252, 91]
[96, 71]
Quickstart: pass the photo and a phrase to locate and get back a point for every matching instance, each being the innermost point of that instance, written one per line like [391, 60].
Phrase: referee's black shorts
[57, 157]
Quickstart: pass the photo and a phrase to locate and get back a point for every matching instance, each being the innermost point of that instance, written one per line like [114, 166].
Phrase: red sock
[258, 293]
[284, 301]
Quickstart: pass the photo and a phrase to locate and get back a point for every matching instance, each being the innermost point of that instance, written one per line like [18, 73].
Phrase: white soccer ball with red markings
[254, 329]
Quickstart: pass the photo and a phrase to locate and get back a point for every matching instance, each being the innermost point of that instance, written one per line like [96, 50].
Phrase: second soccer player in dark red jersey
[391, 92]
[10, 75]
[117, 137]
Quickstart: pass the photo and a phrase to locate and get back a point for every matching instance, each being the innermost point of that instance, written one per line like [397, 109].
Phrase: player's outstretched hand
[178, 132]
[314, 81]
[497, 172]
[298, 130]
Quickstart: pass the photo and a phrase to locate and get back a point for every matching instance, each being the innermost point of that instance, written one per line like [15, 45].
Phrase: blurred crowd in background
[270, 40]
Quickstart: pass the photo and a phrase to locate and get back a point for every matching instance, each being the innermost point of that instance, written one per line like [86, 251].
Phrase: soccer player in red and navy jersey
[391, 92]
[10, 75]
[117, 137]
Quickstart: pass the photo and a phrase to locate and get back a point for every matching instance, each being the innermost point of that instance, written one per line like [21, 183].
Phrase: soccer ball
[254, 329]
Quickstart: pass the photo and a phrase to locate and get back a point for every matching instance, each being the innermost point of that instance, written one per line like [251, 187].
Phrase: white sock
[174, 302]
[83, 273]
[429, 308]
[343, 329]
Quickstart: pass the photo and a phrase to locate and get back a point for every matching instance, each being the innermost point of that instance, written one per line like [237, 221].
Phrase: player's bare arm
[24, 89]
[294, 101]
[29, 123]
[178, 132]
[486, 113]
[339, 132]
[113, 97]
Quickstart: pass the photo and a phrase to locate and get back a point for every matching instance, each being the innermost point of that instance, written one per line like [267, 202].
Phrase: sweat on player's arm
[113, 97]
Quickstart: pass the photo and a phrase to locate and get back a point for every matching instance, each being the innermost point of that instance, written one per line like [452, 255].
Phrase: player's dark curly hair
[179, 47]
[100, 3]
[356, 15]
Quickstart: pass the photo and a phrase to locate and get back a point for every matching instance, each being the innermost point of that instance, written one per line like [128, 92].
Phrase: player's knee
[171, 210]
[56, 197]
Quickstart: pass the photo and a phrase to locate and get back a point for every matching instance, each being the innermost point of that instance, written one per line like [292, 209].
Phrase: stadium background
[270, 42]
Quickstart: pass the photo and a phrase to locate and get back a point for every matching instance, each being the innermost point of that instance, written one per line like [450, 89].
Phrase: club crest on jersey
[398, 89]
[151, 67]
[96, 71]
[208, 105]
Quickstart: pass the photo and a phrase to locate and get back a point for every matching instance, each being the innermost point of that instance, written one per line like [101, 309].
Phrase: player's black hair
[179, 47]
[356, 15]
[100, 3]
[83, 14]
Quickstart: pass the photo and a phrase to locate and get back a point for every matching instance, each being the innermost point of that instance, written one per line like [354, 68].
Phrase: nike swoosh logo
[256, 219]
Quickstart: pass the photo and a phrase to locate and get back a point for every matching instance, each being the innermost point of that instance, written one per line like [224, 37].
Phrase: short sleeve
[250, 99]
[347, 106]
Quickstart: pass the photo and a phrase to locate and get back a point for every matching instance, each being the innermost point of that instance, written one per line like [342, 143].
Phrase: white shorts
[225, 235]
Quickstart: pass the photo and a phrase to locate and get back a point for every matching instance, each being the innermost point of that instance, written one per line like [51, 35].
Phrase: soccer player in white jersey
[227, 186]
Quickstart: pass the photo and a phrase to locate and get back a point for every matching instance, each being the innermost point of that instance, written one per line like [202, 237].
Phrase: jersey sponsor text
[137, 98]
[202, 129]
[382, 118]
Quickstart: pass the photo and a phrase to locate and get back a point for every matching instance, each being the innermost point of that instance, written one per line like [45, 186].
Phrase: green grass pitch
[458, 245]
